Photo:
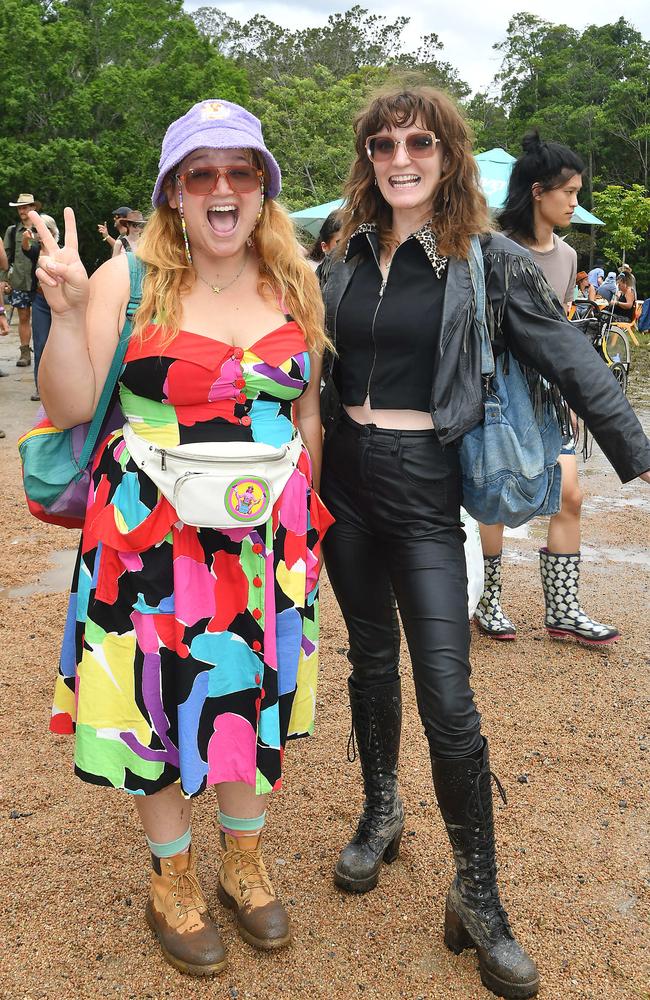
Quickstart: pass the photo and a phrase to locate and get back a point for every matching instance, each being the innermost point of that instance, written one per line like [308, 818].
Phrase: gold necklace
[221, 288]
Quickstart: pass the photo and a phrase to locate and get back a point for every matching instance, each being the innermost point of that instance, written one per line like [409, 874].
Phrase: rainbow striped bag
[57, 463]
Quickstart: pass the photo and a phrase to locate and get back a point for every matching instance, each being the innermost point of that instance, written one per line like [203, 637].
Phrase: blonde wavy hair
[284, 274]
[459, 209]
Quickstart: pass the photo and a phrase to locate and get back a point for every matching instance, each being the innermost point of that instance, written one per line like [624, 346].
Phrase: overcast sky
[467, 40]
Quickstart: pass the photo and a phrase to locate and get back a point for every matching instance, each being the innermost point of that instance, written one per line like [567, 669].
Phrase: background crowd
[82, 126]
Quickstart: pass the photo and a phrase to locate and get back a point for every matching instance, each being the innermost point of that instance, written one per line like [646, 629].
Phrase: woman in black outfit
[624, 302]
[399, 308]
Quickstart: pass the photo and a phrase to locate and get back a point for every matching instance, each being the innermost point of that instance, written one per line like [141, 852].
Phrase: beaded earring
[259, 214]
[188, 252]
[250, 242]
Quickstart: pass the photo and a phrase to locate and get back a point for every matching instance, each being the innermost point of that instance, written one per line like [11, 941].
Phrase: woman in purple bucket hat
[190, 653]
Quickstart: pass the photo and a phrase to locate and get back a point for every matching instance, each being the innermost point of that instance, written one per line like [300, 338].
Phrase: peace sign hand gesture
[62, 276]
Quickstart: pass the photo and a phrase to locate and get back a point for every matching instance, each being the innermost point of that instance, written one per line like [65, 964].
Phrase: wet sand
[570, 740]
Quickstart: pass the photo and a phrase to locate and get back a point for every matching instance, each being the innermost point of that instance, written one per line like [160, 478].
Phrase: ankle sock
[179, 846]
[237, 826]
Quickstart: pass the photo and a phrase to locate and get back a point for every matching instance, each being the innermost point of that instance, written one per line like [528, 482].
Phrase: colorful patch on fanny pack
[247, 498]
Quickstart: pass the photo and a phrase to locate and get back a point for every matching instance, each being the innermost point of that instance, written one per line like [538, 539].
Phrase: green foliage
[84, 115]
[307, 123]
[89, 87]
[349, 42]
[626, 214]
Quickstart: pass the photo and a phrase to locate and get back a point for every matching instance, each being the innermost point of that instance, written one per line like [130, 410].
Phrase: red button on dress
[240, 383]
[258, 679]
[257, 548]
[238, 353]
[246, 421]
[257, 581]
[241, 397]
[257, 646]
[257, 614]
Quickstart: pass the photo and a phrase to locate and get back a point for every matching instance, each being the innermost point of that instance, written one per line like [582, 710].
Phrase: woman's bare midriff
[394, 420]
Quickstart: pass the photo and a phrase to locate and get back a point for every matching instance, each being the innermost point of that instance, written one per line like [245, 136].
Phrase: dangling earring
[259, 214]
[250, 242]
[375, 179]
[188, 253]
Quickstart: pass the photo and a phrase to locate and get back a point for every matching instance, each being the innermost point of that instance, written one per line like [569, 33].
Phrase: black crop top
[387, 344]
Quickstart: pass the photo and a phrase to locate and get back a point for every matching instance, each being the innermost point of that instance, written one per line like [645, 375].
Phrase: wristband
[2, 311]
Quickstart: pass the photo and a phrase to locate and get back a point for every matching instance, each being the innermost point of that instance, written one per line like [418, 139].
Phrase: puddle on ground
[635, 557]
[532, 529]
[590, 553]
[617, 503]
[53, 580]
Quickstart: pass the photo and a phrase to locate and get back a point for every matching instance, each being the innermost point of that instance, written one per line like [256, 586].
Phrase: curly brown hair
[459, 209]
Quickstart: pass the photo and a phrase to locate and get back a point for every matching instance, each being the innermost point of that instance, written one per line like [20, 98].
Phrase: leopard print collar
[425, 237]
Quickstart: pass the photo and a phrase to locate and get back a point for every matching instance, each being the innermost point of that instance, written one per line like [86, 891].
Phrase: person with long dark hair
[327, 239]
[542, 196]
[401, 311]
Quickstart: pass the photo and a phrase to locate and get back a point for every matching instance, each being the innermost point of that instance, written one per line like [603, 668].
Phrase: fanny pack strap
[136, 274]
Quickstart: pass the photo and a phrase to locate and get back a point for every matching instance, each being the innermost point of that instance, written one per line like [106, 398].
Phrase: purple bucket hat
[216, 125]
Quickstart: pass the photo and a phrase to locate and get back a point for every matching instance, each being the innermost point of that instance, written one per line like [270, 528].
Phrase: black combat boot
[377, 723]
[474, 916]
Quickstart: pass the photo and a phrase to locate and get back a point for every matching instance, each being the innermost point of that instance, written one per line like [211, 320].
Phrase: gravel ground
[570, 740]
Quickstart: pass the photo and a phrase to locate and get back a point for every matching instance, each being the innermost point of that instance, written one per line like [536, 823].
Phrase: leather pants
[398, 544]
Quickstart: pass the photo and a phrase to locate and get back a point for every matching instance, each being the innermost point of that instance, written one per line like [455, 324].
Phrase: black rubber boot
[474, 916]
[377, 722]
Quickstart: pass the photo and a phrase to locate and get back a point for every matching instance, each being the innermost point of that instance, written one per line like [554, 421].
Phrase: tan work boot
[25, 359]
[178, 915]
[244, 886]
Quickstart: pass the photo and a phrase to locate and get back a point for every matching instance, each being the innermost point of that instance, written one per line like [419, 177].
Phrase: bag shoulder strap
[477, 273]
[11, 255]
[136, 275]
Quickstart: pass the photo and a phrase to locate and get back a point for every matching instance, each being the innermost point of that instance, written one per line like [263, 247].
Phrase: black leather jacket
[526, 318]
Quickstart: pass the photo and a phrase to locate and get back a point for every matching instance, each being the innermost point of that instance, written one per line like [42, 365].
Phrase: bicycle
[609, 340]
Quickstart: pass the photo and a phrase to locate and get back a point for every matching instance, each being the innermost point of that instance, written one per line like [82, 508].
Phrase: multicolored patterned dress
[191, 654]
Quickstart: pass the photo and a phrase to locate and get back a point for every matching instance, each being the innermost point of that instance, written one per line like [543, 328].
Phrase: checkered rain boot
[565, 619]
[489, 614]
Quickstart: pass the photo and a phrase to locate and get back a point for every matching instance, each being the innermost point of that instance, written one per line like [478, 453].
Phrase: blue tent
[495, 166]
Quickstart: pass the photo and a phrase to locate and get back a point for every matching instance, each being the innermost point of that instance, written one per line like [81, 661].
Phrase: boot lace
[480, 882]
[187, 892]
[250, 869]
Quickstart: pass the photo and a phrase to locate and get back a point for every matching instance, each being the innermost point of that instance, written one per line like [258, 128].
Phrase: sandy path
[570, 740]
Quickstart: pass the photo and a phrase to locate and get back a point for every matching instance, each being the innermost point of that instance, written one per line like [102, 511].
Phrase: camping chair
[631, 327]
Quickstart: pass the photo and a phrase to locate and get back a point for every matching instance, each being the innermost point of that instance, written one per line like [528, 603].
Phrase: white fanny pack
[228, 484]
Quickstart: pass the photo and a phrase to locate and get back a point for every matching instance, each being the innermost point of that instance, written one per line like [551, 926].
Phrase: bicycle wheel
[617, 347]
[619, 371]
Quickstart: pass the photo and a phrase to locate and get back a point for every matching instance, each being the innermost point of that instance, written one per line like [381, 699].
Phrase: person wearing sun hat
[131, 226]
[196, 651]
[19, 274]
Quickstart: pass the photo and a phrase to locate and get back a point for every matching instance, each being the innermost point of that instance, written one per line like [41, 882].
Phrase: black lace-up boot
[377, 723]
[474, 916]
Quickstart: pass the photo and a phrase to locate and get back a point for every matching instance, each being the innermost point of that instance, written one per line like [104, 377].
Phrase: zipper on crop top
[382, 289]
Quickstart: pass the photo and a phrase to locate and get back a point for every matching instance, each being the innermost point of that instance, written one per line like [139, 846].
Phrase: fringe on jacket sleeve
[544, 394]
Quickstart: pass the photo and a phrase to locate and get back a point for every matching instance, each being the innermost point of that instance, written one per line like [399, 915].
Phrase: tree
[83, 124]
[626, 214]
[307, 124]
[347, 43]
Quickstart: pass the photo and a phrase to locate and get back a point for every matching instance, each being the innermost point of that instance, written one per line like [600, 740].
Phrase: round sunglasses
[418, 146]
[241, 179]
